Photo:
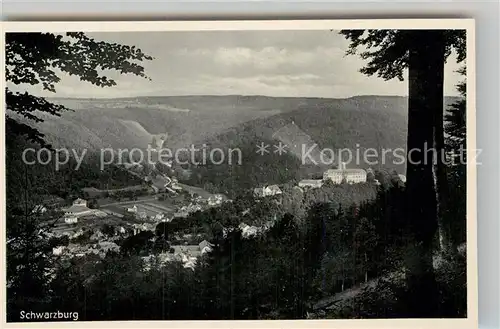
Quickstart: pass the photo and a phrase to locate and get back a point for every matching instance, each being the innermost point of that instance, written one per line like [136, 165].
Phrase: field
[149, 206]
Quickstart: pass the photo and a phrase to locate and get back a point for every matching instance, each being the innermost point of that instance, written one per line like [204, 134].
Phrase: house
[187, 254]
[216, 199]
[133, 209]
[259, 192]
[190, 263]
[273, 190]
[248, 231]
[266, 191]
[58, 250]
[78, 209]
[137, 228]
[159, 217]
[402, 177]
[340, 174]
[71, 219]
[76, 234]
[205, 246]
[311, 183]
[40, 209]
[175, 184]
[181, 214]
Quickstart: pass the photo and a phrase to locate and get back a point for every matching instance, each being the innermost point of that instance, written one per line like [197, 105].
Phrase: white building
[267, 191]
[402, 177]
[247, 230]
[273, 190]
[58, 250]
[159, 217]
[205, 247]
[311, 183]
[216, 199]
[71, 219]
[133, 209]
[175, 184]
[351, 176]
[39, 209]
[137, 228]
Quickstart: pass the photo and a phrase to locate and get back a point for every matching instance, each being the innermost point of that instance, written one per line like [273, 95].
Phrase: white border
[126, 26]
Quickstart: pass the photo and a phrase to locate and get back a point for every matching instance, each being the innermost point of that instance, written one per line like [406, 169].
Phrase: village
[97, 228]
[97, 231]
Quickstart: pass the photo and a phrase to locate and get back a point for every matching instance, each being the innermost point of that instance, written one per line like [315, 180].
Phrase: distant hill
[356, 124]
[236, 121]
[131, 122]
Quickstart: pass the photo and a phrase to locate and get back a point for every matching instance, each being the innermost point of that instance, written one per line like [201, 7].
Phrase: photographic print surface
[237, 174]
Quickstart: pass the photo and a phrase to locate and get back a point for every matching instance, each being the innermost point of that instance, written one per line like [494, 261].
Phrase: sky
[271, 63]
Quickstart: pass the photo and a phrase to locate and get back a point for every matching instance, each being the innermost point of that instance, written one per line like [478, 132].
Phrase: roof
[39, 208]
[77, 209]
[346, 171]
[274, 187]
[217, 197]
[204, 244]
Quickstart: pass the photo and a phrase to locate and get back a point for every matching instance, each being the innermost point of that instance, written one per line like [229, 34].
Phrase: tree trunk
[426, 61]
[366, 270]
[441, 178]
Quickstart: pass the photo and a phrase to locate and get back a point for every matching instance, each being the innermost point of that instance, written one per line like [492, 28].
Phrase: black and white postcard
[188, 174]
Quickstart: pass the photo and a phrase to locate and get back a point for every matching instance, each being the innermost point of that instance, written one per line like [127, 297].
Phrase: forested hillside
[130, 122]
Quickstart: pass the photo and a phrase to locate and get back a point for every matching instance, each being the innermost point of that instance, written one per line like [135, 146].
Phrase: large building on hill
[78, 208]
[340, 174]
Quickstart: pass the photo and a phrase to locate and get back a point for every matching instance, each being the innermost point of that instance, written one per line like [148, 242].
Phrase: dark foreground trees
[423, 53]
[37, 59]
[269, 278]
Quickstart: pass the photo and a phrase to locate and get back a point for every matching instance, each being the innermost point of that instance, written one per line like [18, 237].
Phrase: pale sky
[272, 63]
